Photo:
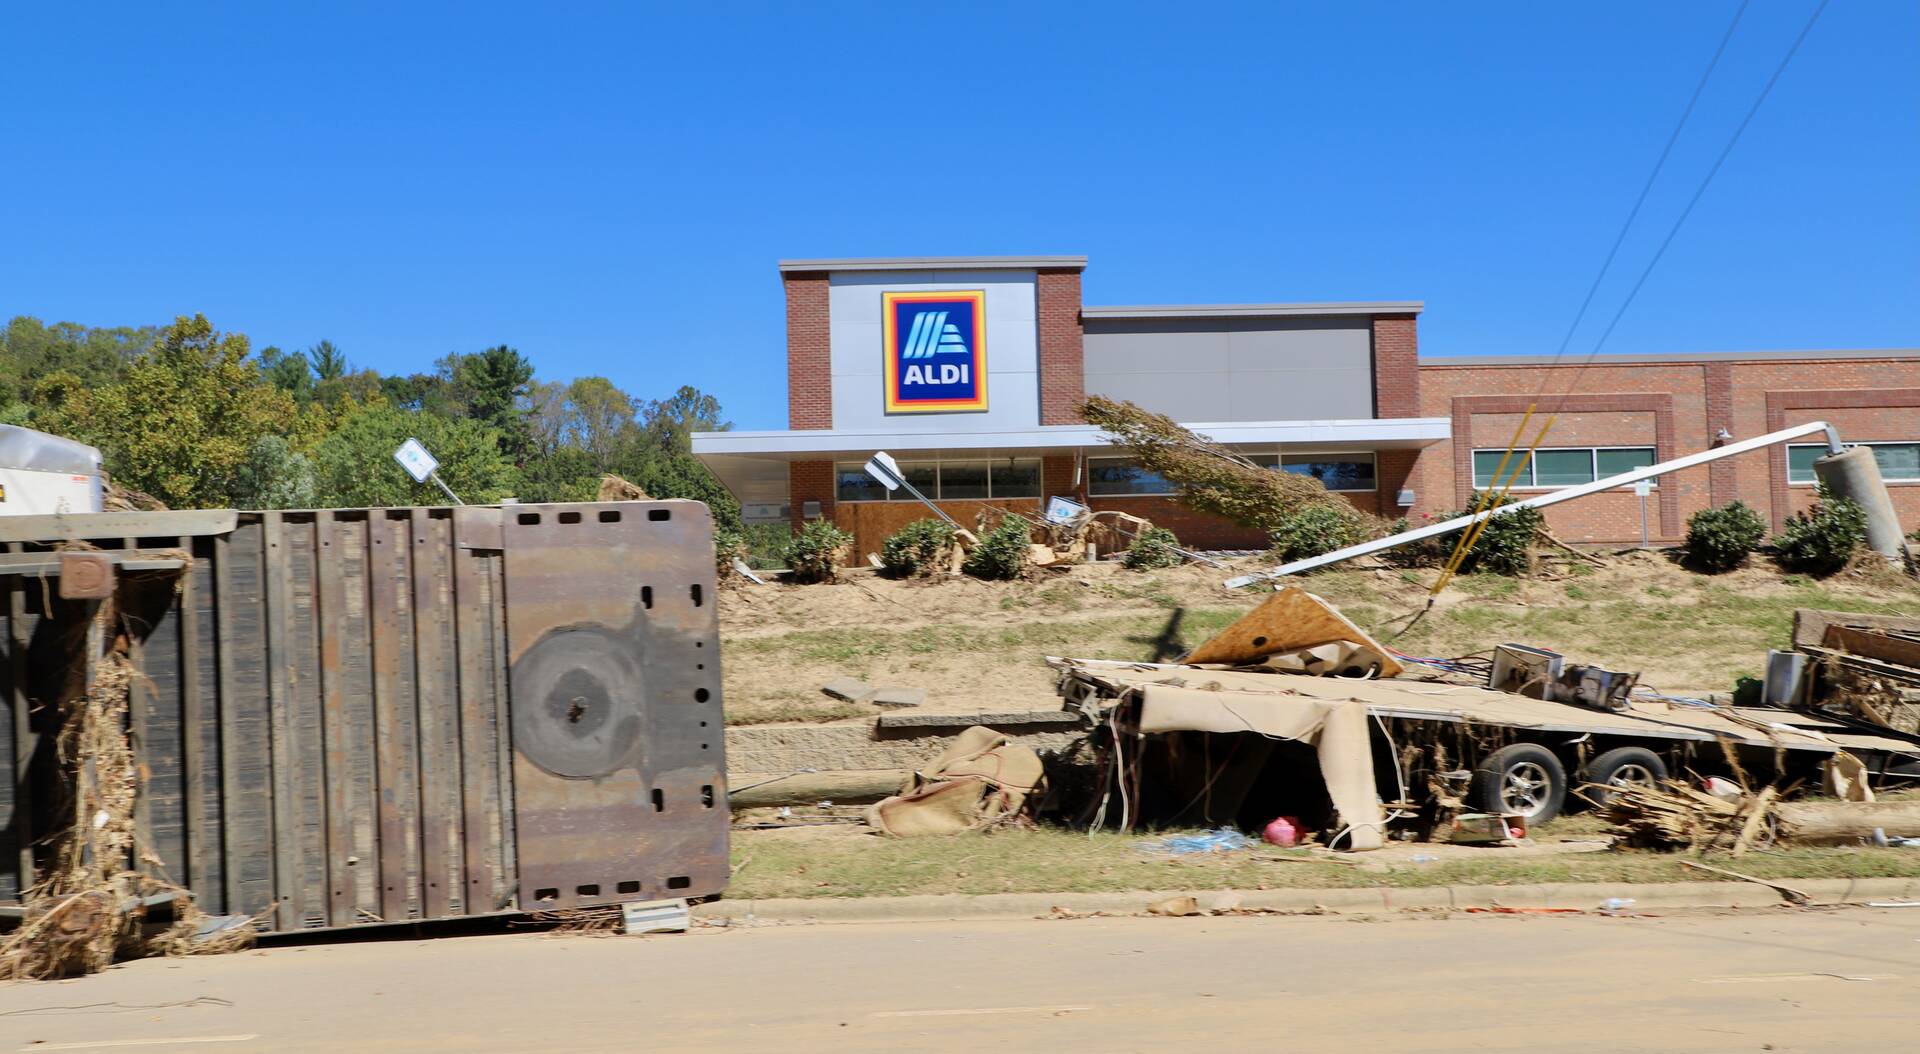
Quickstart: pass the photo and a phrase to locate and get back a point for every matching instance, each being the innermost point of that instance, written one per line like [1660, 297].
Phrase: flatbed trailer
[1508, 753]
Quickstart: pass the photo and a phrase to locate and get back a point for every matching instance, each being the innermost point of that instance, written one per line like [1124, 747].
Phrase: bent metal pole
[1542, 501]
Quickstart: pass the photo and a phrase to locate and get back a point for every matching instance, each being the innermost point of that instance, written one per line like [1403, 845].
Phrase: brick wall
[809, 481]
[1396, 366]
[1867, 399]
[1056, 478]
[809, 352]
[1062, 347]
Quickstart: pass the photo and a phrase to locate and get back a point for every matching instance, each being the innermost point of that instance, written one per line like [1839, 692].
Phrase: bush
[1002, 553]
[727, 544]
[1151, 548]
[812, 552]
[1822, 540]
[1720, 539]
[1505, 545]
[919, 548]
[1314, 530]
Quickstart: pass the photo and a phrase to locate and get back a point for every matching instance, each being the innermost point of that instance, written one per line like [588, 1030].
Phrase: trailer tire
[1523, 778]
[1620, 766]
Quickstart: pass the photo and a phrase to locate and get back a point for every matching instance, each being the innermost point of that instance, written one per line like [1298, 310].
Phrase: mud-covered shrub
[1720, 539]
[921, 547]
[812, 553]
[1505, 545]
[1152, 548]
[1316, 529]
[1821, 540]
[727, 544]
[1002, 552]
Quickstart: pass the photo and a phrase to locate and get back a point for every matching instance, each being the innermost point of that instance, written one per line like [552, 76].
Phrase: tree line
[192, 416]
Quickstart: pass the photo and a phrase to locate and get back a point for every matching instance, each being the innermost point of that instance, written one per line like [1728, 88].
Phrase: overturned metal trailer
[345, 717]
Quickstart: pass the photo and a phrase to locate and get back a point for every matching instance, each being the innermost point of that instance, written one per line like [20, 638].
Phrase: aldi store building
[970, 372]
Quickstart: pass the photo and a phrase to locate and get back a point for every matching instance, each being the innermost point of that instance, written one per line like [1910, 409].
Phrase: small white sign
[1643, 487]
[414, 458]
[882, 467]
[1063, 511]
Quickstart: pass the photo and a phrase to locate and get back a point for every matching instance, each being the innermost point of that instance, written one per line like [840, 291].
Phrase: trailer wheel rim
[1631, 774]
[1525, 788]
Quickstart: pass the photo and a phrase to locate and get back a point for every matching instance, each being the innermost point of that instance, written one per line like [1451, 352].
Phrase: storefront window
[963, 479]
[1014, 478]
[944, 480]
[851, 483]
[1336, 471]
[1110, 476]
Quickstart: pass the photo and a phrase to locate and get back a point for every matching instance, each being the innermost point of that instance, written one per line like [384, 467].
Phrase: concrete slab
[898, 698]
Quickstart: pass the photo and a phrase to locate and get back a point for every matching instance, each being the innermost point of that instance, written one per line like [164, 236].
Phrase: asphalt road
[1788, 981]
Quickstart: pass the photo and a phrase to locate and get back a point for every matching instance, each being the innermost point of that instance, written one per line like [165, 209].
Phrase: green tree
[275, 476]
[31, 351]
[354, 465]
[182, 419]
[566, 474]
[289, 372]
[329, 363]
[588, 414]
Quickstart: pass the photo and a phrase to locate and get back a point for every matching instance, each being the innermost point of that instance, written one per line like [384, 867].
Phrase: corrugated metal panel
[323, 723]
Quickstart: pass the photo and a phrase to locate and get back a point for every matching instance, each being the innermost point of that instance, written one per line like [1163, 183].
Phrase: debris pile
[982, 779]
[1211, 477]
[95, 904]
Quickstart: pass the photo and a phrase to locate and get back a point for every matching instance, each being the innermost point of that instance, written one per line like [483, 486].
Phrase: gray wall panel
[1235, 369]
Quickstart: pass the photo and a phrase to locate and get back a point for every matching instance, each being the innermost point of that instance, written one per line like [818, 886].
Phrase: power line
[1698, 192]
[1647, 188]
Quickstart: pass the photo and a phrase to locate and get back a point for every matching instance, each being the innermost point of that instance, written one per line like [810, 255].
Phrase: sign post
[883, 468]
[1643, 488]
[421, 465]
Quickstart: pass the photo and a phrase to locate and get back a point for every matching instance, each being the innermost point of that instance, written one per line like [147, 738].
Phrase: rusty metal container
[363, 716]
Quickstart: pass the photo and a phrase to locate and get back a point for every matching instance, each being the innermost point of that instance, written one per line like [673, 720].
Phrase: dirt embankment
[977, 645]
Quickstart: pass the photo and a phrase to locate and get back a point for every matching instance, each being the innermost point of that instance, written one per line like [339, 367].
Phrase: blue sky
[607, 187]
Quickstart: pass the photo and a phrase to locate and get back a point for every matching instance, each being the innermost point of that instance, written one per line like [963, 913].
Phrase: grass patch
[1052, 860]
[1098, 637]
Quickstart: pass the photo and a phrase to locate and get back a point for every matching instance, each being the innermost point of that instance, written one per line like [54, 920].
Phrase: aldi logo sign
[936, 351]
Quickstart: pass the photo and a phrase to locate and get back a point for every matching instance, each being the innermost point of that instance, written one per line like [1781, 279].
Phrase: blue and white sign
[935, 348]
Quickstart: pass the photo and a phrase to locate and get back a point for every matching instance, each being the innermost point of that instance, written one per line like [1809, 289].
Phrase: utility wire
[1698, 192]
[1647, 188]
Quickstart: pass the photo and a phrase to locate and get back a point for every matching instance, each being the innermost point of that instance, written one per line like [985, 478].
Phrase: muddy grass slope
[978, 645]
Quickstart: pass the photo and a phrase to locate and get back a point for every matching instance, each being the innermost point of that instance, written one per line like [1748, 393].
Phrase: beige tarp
[980, 777]
[1335, 728]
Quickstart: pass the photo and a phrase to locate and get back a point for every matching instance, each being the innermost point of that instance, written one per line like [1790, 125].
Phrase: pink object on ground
[1283, 831]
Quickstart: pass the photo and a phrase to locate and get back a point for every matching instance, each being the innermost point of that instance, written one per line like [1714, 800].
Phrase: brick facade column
[1723, 479]
[1056, 479]
[1062, 347]
[809, 481]
[1396, 393]
[809, 353]
[1396, 366]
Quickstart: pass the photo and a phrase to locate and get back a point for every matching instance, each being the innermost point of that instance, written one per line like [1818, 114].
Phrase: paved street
[1822, 981]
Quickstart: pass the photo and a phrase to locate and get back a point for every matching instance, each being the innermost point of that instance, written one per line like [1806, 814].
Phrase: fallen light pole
[1393, 541]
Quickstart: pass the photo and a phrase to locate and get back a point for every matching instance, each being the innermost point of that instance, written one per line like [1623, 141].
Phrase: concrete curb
[1372, 900]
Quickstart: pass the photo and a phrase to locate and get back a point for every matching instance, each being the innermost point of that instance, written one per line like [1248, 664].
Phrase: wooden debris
[1675, 816]
[1791, 894]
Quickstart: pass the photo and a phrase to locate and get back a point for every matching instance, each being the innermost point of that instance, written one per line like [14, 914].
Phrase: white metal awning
[752, 465]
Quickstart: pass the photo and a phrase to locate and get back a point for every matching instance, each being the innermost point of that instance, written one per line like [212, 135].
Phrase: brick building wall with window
[1337, 390]
[1675, 405]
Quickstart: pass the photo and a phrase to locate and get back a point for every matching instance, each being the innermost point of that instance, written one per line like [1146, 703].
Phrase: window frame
[1372, 456]
[1091, 493]
[938, 464]
[1593, 465]
[1815, 481]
